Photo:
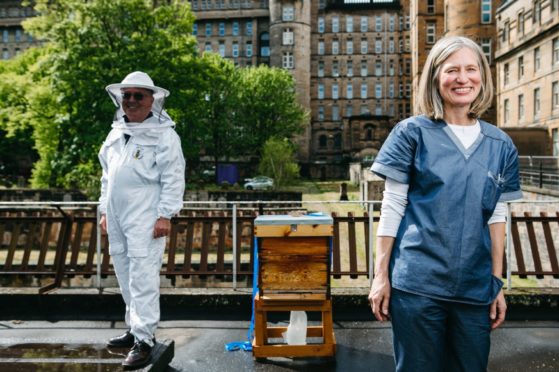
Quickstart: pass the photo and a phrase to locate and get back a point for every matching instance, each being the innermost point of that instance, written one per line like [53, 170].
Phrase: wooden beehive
[294, 256]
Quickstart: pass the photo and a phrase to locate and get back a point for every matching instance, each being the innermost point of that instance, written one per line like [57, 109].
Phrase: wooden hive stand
[293, 275]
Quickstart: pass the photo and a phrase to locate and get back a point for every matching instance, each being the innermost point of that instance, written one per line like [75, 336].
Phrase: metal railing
[219, 243]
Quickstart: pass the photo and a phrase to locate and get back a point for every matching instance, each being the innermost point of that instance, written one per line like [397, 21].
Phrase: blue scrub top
[443, 246]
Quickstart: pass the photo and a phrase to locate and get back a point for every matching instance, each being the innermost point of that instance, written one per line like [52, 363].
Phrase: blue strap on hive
[247, 345]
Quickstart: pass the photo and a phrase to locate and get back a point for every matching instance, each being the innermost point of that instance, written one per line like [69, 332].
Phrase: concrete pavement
[199, 346]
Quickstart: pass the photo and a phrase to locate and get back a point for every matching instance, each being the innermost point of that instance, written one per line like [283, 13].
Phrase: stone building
[350, 58]
[14, 39]
[527, 56]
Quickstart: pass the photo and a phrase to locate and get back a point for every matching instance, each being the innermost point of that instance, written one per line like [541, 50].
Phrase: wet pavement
[199, 346]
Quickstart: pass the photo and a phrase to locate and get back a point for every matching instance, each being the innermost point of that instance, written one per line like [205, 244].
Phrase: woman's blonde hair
[429, 100]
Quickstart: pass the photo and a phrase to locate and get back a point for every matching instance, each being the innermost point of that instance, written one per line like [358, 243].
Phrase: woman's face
[460, 79]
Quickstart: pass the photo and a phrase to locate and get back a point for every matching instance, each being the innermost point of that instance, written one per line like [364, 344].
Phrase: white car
[259, 183]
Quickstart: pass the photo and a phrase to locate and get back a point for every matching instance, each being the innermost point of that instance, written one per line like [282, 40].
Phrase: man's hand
[379, 297]
[162, 227]
[498, 310]
[103, 223]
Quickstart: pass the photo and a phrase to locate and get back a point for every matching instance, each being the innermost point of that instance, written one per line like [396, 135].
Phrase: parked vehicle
[259, 183]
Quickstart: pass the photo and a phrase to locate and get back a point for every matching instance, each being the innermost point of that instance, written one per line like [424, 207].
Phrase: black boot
[124, 340]
[138, 357]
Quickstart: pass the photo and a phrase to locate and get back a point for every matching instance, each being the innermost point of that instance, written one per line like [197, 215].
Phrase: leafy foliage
[54, 97]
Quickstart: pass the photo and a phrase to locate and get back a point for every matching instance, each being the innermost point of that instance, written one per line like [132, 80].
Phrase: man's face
[136, 103]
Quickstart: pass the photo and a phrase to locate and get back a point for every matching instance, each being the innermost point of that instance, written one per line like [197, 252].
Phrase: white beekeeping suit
[143, 180]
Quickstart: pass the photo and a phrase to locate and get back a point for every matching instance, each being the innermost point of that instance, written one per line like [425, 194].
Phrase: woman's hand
[379, 297]
[498, 310]
[162, 227]
[103, 223]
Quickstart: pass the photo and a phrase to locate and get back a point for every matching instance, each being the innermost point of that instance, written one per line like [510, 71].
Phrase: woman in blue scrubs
[441, 235]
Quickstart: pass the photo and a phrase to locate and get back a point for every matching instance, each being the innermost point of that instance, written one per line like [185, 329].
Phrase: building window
[288, 36]
[221, 49]
[349, 46]
[391, 48]
[235, 28]
[235, 49]
[320, 47]
[18, 36]
[335, 91]
[537, 57]
[364, 46]
[520, 67]
[505, 33]
[364, 109]
[408, 90]
[264, 44]
[320, 91]
[537, 12]
[378, 109]
[321, 113]
[430, 6]
[248, 28]
[320, 68]
[5, 54]
[378, 46]
[335, 112]
[363, 90]
[335, 24]
[391, 68]
[506, 74]
[364, 68]
[208, 29]
[364, 24]
[431, 31]
[378, 90]
[321, 4]
[486, 47]
[555, 95]
[335, 69]
[391, 90]
[391, 22]
[506, 111]
[520, 24]
[335, 47]
[555, 50]
[208, 46]
[287, 60]
[349, 91]
[349, 110]
[322, 141]
[537, 102]
[378, 23]
[486, 11]
[248, 49]
[321, 25]
[221, 29]
[195, 29]
[378, 68]
[521, 106]
[349, 24]
[287, 13]
[349, 68]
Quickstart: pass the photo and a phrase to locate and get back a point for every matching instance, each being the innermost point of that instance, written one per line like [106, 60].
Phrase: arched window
[369, 132]
[338, 141]
[322, 141]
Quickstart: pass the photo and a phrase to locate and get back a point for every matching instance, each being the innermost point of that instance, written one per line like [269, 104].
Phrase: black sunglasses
[137, 96]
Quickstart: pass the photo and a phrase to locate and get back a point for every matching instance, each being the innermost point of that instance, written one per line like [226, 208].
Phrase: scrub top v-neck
[443, 248]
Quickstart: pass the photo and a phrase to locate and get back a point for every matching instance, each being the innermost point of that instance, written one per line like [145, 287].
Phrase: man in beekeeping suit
[141, 189]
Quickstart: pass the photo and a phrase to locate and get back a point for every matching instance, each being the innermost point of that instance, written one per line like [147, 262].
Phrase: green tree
[268, 108]
[278, 161]
[91, 44]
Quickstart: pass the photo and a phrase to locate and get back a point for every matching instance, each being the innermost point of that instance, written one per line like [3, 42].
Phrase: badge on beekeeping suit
[138, 152]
